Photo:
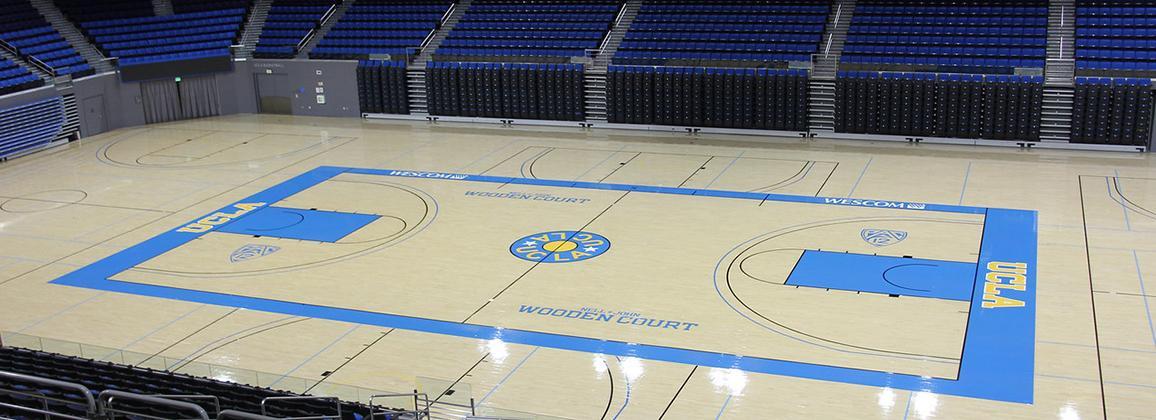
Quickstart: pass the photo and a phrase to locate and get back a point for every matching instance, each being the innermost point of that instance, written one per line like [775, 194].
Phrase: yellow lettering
[1012, 278]
[997, 301]
[195, 228]
[1018, 268]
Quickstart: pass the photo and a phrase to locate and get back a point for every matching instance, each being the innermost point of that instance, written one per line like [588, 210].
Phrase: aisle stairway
[71, 34]
[821, 106]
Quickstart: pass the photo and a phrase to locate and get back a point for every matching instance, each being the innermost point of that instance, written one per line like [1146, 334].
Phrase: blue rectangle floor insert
[950, 280]
[309, 225]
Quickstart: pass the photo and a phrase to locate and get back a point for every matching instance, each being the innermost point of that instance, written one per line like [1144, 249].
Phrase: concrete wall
[336, 79]
[122, 104]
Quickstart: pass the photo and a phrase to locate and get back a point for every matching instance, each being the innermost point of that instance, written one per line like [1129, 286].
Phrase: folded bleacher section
[15, 78]
[30, 126]
[1116, 38]
[27, 34]
[764, 99]
[100, 376]
[382, 27]
[998, 107]
[381, 87]
[987, 37]
[158, 39]
[287, 24]
[528, 31]
[90, 10]
[728, 33]
[1112, 111]
[542, 91]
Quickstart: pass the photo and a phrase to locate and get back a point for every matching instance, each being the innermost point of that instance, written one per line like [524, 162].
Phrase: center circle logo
[560, 246]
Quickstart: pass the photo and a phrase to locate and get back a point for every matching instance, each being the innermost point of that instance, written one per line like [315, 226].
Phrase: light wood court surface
[1095, 351]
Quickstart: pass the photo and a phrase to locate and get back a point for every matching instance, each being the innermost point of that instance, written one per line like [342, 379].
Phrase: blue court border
[999, 344]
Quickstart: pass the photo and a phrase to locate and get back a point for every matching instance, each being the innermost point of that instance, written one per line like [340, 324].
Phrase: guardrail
[90, 404]
[108, 397]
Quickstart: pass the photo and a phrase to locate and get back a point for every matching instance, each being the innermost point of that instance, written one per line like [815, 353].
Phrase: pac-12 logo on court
[562, 246]
[252, 252]
[883, 237]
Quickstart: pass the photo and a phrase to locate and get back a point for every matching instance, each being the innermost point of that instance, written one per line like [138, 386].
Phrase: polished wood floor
[63, 209]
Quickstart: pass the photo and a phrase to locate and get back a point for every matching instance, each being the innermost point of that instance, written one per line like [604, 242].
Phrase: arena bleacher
[287, 24]
[727, 33]
[153, 39]
[26, 32]
[212, 396]
[987, 37]
[534, 31]
[733, 64]
[1115, 37]
[382, 28]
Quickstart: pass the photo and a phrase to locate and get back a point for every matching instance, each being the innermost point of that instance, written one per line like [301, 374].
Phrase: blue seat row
[1004, 63]
[950, 21]
[909, 50]
[544, 42]
[1125, 66]
[746, 18]
[1113, 81]
[948, 30]
[718, 46]
[533, 26]
[723, 27]
[948, 40]
[1144, 22]
[1116, 11]
[507, 52]
[708, 70]
[156, 42]
[148, 29]
[864, 10]
[735, 8]
[945, 77]
[488, 34]
[637, 57]
[544, 8]
[723, 37]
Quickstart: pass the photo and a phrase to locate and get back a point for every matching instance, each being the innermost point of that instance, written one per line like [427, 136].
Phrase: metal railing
[107, 398]
[320, 22]
[336, 402]
[831, 38]
[417, 397]
[241, 415]
[617, 21]
[91, 408]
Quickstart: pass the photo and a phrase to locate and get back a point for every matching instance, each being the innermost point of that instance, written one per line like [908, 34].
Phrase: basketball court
[564, 274]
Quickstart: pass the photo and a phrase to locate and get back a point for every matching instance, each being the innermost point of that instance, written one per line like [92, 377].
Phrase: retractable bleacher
[30, 36]
[943, 68]
[722, 64]
[374, 29]
[529, 31]
[982, 37]
[212, 395]
[724, 33]
[15, 78]
[287, 24]
[158, 39]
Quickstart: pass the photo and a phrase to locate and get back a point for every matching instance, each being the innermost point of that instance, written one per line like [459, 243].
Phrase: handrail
[336, 402]
[831, 38]
[79, 389]
[241, 415]
[32, 60]
[433, 34]
[320, 22]
[417, 396]
[215, 401]
[617, 21]
[106, 399]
